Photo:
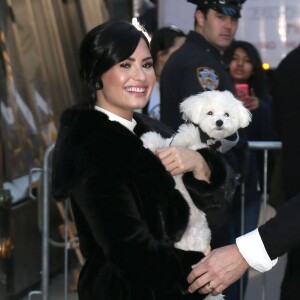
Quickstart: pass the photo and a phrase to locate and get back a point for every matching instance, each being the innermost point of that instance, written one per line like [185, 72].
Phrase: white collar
[113, 117]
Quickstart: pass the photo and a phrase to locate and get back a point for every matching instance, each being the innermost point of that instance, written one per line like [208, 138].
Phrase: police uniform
[196, 67]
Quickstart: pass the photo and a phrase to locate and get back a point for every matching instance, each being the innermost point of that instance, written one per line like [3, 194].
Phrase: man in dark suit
[258, 249]
[286, 111]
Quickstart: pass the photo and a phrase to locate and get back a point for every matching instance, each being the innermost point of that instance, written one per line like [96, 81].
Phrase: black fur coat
[127, 211]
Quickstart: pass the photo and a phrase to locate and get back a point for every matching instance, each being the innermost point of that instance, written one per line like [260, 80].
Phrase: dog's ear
[245, 115]
[191, 108]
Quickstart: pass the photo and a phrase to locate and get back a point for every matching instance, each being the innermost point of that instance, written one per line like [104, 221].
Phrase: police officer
[196, 67]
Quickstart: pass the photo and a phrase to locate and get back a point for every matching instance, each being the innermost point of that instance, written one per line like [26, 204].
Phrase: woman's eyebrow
[144, 59]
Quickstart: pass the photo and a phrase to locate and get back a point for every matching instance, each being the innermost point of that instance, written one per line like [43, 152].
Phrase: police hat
[225, 7]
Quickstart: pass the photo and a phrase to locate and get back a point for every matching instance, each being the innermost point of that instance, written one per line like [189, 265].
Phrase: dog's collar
[222, 145]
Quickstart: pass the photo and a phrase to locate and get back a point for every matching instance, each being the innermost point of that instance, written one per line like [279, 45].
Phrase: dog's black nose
[219, 123]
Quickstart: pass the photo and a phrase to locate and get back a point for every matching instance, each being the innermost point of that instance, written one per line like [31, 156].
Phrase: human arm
[213, 196]
[179, 160]
[282, 233]
[259, 249]
[220, 268]
[227, 264]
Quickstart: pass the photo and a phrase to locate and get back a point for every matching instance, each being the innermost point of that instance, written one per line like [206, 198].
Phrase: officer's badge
[209, 79]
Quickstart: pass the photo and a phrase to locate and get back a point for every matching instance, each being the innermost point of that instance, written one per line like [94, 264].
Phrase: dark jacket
[286, 120]
[180, 77]
[127, 212]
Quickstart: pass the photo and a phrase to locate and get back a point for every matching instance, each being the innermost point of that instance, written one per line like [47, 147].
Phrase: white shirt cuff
[253, 250]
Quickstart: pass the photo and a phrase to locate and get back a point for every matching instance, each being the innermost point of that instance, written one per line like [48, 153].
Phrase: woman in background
[245, 66]
[164, 42]
[127, 211]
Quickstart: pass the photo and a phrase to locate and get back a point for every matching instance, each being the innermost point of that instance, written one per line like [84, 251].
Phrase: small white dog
[212, 120]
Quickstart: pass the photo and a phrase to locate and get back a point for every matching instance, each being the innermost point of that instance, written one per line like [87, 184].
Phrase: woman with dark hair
[165, 41]
[126, 208]
[245, 67]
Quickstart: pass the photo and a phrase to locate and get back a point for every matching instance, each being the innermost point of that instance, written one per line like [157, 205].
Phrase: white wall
[176, 12]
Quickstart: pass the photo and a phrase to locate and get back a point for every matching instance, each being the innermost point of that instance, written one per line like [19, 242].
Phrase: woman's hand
[178, 160]
[251, 102]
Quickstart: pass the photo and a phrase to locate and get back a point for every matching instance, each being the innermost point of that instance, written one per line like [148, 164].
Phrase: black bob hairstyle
[103, 47]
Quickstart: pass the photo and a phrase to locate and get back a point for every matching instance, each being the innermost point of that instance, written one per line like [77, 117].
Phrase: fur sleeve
[222, 187]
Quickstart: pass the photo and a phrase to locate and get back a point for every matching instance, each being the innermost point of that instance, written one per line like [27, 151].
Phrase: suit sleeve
[282, 233]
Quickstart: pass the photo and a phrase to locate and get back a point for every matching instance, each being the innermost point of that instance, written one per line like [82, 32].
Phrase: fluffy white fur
[219, 115]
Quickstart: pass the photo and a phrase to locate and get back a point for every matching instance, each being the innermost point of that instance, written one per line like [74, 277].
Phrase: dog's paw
[211, 297]
[153, 140]
[192, 243]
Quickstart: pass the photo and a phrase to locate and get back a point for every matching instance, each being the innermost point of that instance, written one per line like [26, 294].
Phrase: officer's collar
[198, 39]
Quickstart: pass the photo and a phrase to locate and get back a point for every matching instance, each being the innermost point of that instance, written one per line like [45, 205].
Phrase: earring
[98, 86]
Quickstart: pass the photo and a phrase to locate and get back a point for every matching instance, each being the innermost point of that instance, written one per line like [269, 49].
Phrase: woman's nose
[240, 62]
[139, 74]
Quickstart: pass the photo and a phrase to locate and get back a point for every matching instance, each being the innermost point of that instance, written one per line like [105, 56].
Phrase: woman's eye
[210, 113]
[148, 65]
[226, 114]
[125, 65]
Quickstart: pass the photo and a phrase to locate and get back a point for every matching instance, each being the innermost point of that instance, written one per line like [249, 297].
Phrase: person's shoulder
[79, 117]
[294, 53]
[177, 56]
[290, 60]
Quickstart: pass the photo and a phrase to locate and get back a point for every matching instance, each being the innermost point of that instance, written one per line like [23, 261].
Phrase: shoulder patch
[208, 78]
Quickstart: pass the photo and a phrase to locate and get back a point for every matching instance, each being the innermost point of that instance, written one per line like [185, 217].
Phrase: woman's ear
[99, 85]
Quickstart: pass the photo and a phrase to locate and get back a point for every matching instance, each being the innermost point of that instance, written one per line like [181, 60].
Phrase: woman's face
[240, 66]
[127, 85]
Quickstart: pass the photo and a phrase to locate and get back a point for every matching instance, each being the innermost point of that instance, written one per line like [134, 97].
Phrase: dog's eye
[210, 113]
[226, 114]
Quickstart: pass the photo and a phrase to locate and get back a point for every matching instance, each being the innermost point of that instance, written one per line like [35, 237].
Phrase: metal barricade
[264, 146]
[44, 291]
[45, 225]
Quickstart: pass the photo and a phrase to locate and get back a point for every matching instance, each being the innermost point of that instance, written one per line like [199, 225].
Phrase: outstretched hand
[217, 270]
